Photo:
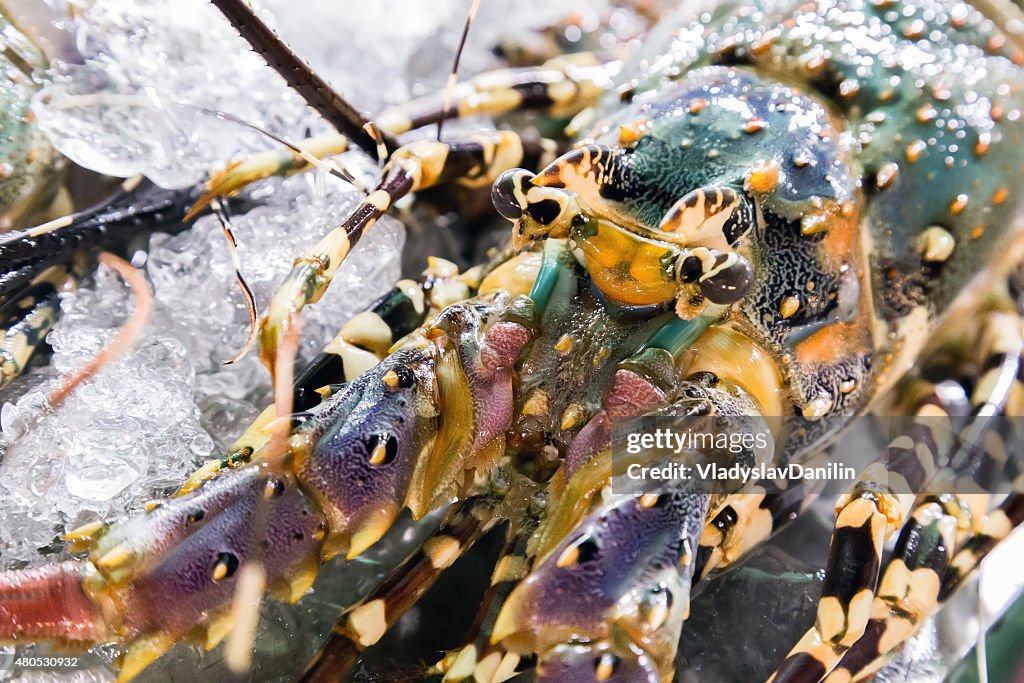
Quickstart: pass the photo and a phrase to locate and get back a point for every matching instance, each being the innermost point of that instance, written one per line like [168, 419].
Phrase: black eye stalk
[722, 277]
[505, 196]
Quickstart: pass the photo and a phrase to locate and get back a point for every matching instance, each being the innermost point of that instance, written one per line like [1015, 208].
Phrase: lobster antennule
[49, 603]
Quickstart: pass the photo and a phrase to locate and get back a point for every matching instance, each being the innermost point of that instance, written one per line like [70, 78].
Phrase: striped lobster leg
[874, 510]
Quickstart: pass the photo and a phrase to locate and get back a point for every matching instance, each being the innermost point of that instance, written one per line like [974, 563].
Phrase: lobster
[769, 216]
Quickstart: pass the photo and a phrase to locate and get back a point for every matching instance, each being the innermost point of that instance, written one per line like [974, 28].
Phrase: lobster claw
[622, 576]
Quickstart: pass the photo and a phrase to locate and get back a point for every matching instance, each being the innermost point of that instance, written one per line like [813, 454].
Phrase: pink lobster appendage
[48, 603]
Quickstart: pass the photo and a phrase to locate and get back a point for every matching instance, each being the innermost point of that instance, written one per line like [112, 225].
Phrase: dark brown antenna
[453, 77]
[300, 77]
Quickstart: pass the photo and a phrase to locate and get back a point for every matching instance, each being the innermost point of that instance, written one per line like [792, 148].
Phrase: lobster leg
[28, 320]
[39, 262]
[479, 660]
[996, 526]
[563, 86]
[413, 167]
[873, 510]
[909, 588]
[365, 623]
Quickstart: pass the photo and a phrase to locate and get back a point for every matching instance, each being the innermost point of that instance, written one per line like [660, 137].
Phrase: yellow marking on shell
[299, 580]
[839, 675]
[368, 622]
[355, 360]
[423, 161]
[507, 668]
[855, 512]
[510, 568]
[814, 223]
[394, 121]
[115, 559]
[572, 416]
[656, 614]
[217, 629]
[414, 293]
[536, 403]
[648, 500]
[369, 533]
[1000, 195]
[368, 330]
[390, 379]
[936, 244]
[143, 652]
[151, 505]
[505, 152]
[462, 667]
[86, 532]
[790, 305]
[763, 177]
[564, 344]
[958, 204]
[568, 557]
[486, 668]
[831, 619]
[859, 614]
[886, 175]
[220, 570]
[442, 551]
[754, 525]
[997, 525]
[379, 453]
[515, 276]
[816, 408]
[447, 292]
[605, 667]
[630, 133]
[915, 149]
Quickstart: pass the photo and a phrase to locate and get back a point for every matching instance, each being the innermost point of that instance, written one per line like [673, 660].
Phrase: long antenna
[316, 91]
[453, 77]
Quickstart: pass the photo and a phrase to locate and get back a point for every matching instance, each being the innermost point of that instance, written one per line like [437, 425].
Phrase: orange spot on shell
[886, 175]
[926, 113]
[755, 125]
[764, 177]
[1000, 195]
[984, 141]
[915, 149]
[958, 204]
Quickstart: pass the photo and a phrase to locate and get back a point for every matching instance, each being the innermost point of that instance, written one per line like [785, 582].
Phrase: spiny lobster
[768, 217]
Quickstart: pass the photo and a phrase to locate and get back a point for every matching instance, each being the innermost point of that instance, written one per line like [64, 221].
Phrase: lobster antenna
[316, 91]
[129, 333]
[325, 166]
[453, 77]
[250, 300]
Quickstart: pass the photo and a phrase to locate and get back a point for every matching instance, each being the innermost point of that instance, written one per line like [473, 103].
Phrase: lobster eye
[729, 281]
[504, 194]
